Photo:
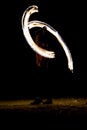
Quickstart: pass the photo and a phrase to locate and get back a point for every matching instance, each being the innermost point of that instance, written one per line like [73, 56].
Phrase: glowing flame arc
[26, 25]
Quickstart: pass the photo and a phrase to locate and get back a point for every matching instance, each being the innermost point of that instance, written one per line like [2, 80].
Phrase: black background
[19, 78]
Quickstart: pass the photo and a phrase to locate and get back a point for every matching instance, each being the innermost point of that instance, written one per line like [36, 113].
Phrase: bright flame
[26, 25]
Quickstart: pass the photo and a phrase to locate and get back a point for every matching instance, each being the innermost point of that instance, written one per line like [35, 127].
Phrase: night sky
[20, 77]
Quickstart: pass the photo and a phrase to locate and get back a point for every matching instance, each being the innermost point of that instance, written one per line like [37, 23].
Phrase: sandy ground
[63, 113]
[73, 104]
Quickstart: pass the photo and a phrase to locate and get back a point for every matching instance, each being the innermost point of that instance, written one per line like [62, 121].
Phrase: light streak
[26, 25]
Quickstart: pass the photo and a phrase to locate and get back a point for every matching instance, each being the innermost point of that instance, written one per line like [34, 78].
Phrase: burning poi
[27, 25]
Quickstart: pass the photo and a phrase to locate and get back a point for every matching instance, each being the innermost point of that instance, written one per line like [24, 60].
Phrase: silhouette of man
[42, 66]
